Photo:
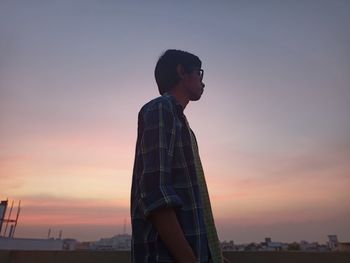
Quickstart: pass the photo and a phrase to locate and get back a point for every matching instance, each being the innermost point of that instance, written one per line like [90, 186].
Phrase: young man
[170, 208]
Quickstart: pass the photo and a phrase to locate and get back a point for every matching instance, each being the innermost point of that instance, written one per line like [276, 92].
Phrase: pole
[2, 216]
[9, 218]
[18, 211]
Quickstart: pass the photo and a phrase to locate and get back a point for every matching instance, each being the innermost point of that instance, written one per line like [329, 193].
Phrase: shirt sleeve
[157, 147]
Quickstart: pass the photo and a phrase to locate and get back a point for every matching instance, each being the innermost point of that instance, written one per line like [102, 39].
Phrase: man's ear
[180, 71]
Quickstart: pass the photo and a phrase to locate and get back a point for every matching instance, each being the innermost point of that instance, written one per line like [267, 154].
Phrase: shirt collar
[176, 104]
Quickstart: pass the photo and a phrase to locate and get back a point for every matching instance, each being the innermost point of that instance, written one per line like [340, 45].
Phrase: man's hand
[169, 229]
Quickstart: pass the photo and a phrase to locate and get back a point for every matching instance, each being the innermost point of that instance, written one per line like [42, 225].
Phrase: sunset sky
[273, 124]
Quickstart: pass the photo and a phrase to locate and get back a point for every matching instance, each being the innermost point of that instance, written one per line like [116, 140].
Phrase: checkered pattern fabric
[213, 240]
[165, 175]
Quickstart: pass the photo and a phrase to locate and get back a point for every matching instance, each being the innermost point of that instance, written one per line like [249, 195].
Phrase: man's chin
[195, 98]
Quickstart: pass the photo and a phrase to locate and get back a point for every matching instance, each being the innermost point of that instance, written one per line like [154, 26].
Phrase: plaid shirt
[164, 175]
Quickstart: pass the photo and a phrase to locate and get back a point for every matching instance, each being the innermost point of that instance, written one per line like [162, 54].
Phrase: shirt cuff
[161, 198]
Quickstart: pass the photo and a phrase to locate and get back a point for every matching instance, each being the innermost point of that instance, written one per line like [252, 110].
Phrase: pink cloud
[46, 210]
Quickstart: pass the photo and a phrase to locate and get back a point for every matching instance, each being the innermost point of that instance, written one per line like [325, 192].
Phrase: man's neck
[180, 98]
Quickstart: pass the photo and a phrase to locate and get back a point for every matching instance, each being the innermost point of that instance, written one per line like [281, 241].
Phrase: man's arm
[168, 227]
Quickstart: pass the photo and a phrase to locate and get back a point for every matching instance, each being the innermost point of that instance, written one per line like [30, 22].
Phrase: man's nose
[203, 85]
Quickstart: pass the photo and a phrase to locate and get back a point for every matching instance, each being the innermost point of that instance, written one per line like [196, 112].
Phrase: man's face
[194, 85]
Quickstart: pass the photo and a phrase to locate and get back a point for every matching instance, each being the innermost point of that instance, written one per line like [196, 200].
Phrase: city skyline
[273, 123]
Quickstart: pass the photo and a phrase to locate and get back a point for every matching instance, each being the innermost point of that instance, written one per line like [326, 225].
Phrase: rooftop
[124, 256]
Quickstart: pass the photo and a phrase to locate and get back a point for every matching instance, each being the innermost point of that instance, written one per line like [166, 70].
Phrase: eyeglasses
[201, 73]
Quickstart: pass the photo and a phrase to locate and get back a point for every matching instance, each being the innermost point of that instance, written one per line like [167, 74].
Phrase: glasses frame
[201, 73]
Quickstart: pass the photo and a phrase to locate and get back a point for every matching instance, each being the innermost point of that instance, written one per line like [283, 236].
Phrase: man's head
[177, 68]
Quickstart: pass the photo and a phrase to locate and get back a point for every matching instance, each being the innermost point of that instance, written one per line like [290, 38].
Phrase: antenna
[9, 218]
[3, 207]
[13, 222]
[11, 231]
[16, 220]
[124, 230]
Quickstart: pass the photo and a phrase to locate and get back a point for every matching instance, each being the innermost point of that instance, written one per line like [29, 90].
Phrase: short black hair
[166, 68]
